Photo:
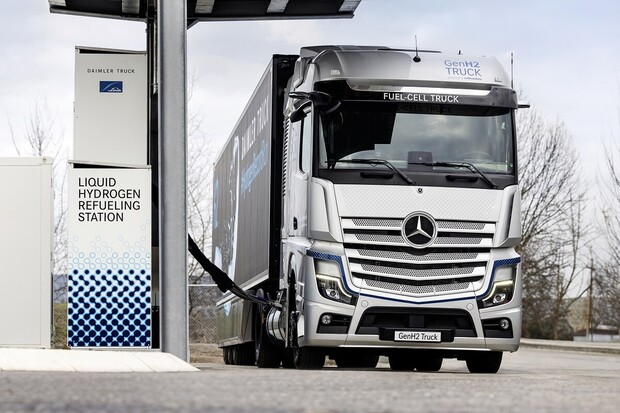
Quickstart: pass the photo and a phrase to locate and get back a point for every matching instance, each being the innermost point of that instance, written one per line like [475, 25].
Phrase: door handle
[294, 223]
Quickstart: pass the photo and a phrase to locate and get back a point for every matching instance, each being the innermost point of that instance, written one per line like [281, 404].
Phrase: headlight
[329, 282]
[505, 273]
[502, 289]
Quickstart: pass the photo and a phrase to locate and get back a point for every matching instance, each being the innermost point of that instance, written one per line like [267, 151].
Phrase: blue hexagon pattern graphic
[109, 295]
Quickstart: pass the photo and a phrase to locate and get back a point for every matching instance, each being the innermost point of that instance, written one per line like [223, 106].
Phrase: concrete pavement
[105, 360]
[530, 380]
[18, 359]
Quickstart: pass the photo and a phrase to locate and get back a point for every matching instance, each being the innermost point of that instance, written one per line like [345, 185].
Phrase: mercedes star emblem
[419, 230]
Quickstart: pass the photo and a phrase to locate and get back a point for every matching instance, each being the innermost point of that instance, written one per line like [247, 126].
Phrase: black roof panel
[199, 10]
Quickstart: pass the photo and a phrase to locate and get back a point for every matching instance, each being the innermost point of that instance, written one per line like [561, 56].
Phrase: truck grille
[380, 257]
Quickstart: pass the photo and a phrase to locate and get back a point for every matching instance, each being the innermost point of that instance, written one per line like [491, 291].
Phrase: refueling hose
[222, 280]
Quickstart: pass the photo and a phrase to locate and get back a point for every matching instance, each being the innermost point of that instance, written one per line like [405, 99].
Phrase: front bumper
[459, 315]
[451, 320]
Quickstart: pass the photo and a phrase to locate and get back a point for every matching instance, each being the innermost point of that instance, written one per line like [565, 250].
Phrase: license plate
[423, 336]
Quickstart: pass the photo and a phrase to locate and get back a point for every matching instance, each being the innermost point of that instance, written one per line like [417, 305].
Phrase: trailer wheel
[308, 358]
[484, 362]
[266, 353]
[233, 355]
[227, 355]
[402, 362]
[243, 354]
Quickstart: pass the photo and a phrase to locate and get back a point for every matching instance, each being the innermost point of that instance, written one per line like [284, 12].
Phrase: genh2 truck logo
[106, 86]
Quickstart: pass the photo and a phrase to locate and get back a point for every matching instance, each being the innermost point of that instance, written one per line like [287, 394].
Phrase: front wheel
[484, 362]
[308, 358]
[267, 353]
[288, 359]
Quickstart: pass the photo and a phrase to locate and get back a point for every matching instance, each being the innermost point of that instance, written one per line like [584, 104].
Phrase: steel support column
[171, 61]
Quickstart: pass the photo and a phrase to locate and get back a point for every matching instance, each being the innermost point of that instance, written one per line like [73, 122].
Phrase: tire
[308, 358]
[288, 359]
[234, 350]
[429, 364]
[356, 360]
[402, 362]
[266, 353]
[227, 355]
[484, 362]
[244, 354]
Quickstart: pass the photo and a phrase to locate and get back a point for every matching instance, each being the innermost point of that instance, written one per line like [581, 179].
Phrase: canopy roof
[202, 10]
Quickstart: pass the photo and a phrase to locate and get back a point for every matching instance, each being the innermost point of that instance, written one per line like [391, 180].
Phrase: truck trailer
[370, 197]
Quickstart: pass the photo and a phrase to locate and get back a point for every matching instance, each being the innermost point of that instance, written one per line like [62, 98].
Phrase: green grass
[59, 337]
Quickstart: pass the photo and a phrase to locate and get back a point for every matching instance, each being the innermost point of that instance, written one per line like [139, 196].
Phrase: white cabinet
[26, 215]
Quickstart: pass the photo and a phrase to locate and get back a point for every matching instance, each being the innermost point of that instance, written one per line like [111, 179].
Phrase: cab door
[297, 155]
[299, 164]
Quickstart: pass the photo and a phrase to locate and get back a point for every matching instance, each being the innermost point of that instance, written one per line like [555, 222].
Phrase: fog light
[333, 294]
[326, 319]
[501, 293]
[499, 298]
[504, 324]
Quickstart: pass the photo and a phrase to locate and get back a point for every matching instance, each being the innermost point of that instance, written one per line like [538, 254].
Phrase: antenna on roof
[512, 71]
[417, 58]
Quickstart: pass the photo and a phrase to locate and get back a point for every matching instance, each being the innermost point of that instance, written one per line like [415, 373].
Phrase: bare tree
[607, 283]
[39, 136]
[199, 196]
[42, 136]
[202, 294]
[568, 262]
[553, 232]
[199, 193]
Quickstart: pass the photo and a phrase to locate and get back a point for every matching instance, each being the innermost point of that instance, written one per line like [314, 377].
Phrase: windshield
[409, 135]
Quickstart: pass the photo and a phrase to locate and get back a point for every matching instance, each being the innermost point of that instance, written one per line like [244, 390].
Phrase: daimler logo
[419, 230]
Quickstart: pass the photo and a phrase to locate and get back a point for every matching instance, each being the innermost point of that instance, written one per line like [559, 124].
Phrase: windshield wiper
[467, 165]
[374, 162]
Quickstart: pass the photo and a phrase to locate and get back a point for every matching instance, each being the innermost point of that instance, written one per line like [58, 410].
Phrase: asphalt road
[531, 380]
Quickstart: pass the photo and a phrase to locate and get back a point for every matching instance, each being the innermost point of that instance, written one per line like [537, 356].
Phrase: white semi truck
[370, 197]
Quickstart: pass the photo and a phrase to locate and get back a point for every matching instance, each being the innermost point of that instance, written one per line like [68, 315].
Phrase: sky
[567, 58]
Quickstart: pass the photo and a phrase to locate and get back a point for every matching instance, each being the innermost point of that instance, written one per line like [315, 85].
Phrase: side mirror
[324, 102]
[298, 114]
[299, 95]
